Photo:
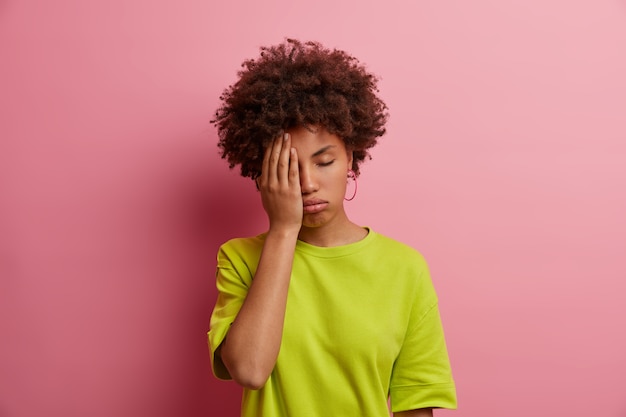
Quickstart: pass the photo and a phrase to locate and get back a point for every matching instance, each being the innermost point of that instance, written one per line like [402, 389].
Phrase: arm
[422, 412]
[251, 347]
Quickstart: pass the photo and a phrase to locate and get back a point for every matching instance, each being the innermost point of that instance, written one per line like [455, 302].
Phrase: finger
[274, 157]
[294, 169]
[284, 158]
[266, 171]
[266, 163]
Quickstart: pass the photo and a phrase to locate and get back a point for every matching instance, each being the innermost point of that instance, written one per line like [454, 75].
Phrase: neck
[332, 235]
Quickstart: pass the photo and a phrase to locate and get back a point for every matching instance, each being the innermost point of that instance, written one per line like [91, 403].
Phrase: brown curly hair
[298, 84]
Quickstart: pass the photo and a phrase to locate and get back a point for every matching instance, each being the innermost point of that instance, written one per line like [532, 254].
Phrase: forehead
[309, 140]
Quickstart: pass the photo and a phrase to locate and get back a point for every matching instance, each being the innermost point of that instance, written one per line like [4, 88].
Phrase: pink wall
[504, 163]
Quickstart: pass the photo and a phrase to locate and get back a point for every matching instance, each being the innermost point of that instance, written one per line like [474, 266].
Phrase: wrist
[288, 233]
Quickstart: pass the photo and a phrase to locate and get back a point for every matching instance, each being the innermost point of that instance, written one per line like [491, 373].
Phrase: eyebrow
[324, 149]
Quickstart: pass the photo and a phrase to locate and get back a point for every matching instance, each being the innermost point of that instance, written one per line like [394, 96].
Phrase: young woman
[319, 316]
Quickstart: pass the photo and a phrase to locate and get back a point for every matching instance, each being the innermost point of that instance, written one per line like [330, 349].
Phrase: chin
[314, 221]
[312, 225]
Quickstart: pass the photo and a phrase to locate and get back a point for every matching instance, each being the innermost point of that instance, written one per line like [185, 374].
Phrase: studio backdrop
[504, 163]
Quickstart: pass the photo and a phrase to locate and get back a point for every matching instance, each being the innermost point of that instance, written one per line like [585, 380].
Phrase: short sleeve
[233, 279]
[421, 376]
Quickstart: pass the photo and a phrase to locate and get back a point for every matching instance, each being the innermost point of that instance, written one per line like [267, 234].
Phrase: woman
[319, 316]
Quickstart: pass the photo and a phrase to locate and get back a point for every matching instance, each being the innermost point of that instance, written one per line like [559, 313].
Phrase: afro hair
[298, 84]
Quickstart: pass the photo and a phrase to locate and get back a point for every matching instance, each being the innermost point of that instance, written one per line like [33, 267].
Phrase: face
[323, 163]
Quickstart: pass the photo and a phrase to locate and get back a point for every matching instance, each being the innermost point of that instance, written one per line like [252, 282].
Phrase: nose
[308, 182]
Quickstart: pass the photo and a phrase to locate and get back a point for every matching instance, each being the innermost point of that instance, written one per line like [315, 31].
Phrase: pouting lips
[314, 205]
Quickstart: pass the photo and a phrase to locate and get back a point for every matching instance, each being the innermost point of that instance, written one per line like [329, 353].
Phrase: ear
[350, 158]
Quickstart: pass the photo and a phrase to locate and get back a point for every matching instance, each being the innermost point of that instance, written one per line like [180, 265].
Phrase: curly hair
[298, 84]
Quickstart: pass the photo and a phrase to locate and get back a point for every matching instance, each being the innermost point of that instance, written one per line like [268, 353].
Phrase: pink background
[504, 163]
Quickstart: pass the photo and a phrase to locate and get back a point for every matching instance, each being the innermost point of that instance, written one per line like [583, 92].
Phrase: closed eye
[325, 164]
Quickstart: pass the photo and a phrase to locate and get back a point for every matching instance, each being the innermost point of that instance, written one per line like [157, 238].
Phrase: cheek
[339, 180]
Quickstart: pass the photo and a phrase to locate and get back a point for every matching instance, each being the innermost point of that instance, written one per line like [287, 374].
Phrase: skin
[422, 412]
[302, 186]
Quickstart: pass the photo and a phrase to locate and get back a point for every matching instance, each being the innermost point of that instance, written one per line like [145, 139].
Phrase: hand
[279, 184]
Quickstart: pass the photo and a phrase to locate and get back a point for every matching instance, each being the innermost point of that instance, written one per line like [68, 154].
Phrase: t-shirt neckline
[335, 251]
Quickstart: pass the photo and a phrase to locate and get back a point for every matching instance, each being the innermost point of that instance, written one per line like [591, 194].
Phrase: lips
[314, 205]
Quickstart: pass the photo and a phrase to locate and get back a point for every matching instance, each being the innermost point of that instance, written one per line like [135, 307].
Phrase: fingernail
[286, 136]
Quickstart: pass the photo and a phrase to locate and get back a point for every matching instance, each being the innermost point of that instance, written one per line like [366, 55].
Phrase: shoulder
[396, 250]
[243, 243]
[242, 249]
[405, 268]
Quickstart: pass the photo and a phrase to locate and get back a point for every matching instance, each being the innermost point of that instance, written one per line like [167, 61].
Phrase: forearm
[253, 341]
[422, 412]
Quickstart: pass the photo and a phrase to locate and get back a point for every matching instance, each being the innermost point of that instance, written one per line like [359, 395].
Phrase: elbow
[247, 378]
[245, 373]
[251, 383]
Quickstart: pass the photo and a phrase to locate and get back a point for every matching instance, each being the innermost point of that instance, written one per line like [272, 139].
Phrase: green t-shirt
[361, 324]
